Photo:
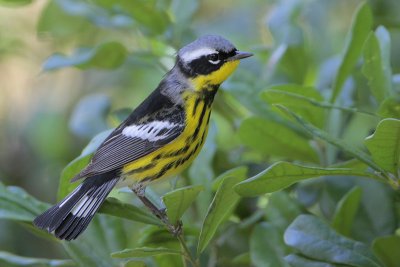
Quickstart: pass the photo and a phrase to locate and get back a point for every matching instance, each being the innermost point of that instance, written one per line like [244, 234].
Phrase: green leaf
[376, 215]
[88, 116]
[282, 209]
[387, 250]
[55, 23]
[135, 263]
[360, 28]
[150, 15]
[72, 169]
[183, 11]
[315, 240]
[222, 205]
[300, 99]
[345, 147]
[15, 2]
[85, 255]
[282, 23]
[346, 211]
[351, 164]
[272, 138]
[17, 205]
[283, 174]
[267, 247]
[375, 69]
[384, 145]
[114, 207]
[104, 56]
[75, 166]
[390, 107]
[298, 261]
[95, 142]
[10, 258]
[179, 200]
[144, 252]
[157, 236]
[242, 259]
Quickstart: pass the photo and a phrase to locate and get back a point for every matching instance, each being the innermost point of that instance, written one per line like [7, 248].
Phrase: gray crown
[215, 42]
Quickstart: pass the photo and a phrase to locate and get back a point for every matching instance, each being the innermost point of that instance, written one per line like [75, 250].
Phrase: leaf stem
[186, 252]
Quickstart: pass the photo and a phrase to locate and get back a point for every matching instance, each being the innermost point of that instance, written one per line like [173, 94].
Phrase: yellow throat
[217, 77]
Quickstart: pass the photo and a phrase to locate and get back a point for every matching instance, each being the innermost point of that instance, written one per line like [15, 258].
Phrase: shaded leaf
[222, 205]
[110, 231]
[95, 142]
[360, 28]
[54, 22]
[87, 118]
[387, 250]
[104, 56]
[135, 263]
[15, 2]
[345, 212]
[378, 75]
[282, 209]
[384, 145]
[376, 215]
[72, 169]
[85, 255]
[301, 99]
[179, 200]
[283, 174]
[345, 147]
[25, 261]
[273, 138]
[314, 239]
[156, 236]
[144, 252]
[390, 107]
[151, 15]
[114, 207]
[16, 204]
[184, 10]
[282, 23]
[100, 17]
[242, 259]
[298, 261]
[351, 164]
[267, 247]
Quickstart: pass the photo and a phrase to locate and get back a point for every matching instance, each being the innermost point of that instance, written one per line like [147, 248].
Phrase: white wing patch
[191, 55]
[152, 131]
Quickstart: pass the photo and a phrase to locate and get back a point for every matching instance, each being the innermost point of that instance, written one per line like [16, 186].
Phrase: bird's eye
[213, 58]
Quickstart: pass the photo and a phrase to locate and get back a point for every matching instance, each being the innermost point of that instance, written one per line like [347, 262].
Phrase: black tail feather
[71, 216]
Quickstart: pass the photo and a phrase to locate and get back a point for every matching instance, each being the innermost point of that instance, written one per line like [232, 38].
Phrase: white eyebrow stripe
[191, 55]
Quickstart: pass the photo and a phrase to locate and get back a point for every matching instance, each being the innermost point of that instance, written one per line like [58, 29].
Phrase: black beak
[240, 55]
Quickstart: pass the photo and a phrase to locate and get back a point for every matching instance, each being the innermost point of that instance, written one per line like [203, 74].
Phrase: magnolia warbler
[159, 138]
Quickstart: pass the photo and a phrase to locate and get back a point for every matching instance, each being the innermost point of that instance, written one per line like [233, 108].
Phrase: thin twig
[186, 250]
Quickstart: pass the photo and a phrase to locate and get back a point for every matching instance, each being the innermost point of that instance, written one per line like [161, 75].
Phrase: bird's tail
[70, 217]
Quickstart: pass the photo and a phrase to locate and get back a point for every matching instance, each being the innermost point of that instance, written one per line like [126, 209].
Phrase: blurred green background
[70, 69]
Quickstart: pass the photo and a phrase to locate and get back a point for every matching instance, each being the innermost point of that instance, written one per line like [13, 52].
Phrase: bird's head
[209, 60]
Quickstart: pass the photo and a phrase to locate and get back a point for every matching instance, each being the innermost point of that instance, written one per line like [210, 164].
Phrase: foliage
[312, 120]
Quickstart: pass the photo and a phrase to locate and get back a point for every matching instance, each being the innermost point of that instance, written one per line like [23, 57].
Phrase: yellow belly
[178, 154]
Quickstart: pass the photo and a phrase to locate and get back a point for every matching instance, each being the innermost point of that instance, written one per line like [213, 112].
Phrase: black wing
[155, 123]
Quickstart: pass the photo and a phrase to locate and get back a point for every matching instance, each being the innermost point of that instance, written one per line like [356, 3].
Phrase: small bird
[159, 138]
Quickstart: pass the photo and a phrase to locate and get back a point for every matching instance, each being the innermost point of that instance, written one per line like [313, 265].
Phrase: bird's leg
[139, 190]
